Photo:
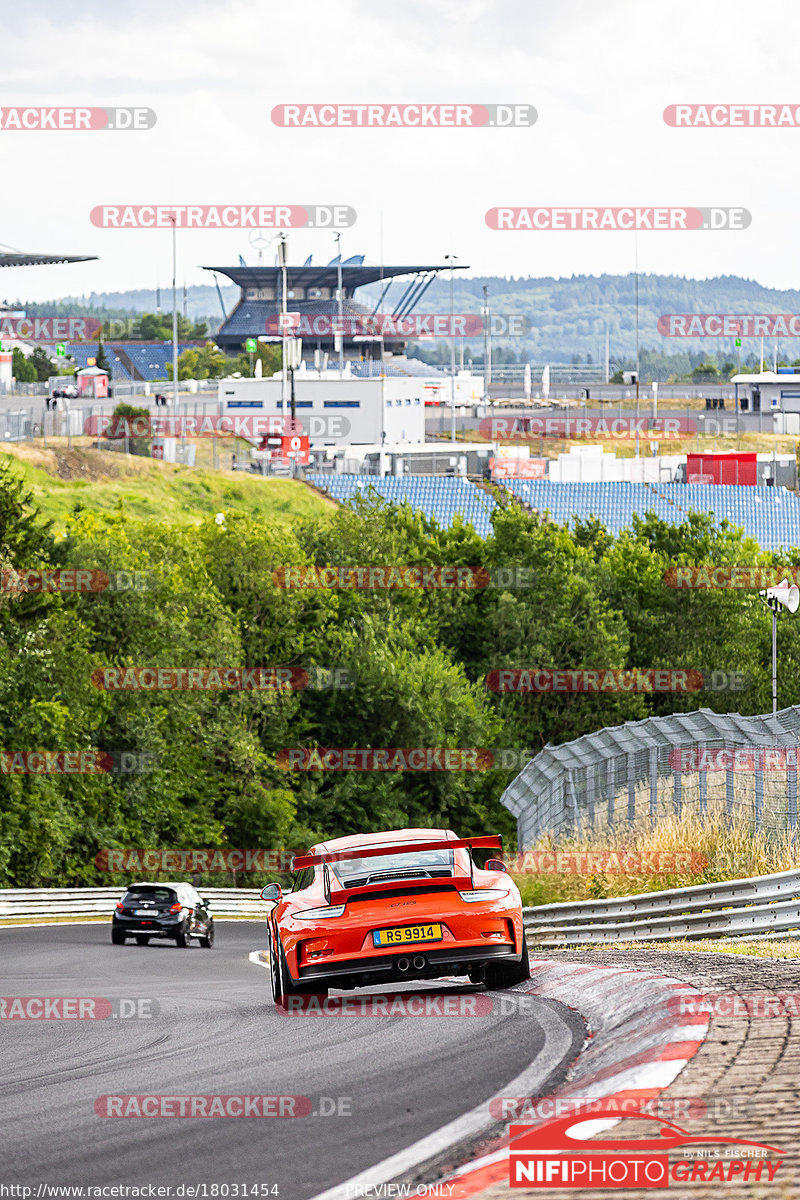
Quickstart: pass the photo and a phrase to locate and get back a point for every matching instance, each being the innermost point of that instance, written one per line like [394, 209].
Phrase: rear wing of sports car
[492, 841]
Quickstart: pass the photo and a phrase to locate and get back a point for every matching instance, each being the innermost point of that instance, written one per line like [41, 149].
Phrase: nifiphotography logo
[551, 1155]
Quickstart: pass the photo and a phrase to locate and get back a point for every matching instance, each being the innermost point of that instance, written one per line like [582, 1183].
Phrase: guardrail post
[677, 783]
[759, 797]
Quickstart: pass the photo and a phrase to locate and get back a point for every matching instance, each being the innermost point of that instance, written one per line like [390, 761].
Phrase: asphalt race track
[390, 1080]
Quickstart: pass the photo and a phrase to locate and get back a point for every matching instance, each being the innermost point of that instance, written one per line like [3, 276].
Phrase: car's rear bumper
[155, 926]
[452, 960]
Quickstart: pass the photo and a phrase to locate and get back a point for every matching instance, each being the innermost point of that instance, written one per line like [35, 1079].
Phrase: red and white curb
[639, 1042]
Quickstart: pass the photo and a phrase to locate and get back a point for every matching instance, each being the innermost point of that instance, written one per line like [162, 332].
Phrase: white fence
[762, 906]
[42, 903]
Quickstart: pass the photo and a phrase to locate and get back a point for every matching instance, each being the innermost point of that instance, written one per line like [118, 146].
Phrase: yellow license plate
[408, 935]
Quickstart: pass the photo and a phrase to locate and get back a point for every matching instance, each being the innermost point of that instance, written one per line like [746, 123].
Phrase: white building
[769, 391]
[336, 412]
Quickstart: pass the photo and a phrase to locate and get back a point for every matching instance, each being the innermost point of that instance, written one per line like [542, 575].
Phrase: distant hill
[568, 316]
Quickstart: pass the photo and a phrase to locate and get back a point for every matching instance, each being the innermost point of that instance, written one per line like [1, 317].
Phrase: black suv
[162, 910]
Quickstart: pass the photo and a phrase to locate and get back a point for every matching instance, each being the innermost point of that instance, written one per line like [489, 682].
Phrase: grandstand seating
[437, 496]
[771, 516]
[148, 359]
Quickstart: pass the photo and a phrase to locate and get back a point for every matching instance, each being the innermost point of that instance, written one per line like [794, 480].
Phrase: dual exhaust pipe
[405, 964]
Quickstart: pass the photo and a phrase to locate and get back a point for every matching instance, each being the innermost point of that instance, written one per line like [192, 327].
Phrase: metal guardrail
[26, 903]
[765, 904]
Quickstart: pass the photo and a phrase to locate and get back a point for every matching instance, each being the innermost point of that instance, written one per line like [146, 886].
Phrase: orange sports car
[391, 907]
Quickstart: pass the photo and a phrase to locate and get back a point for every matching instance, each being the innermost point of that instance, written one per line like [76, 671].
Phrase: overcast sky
[599, 75]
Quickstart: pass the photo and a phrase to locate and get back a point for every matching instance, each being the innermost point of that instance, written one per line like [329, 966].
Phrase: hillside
[568, 316]
[63, 481]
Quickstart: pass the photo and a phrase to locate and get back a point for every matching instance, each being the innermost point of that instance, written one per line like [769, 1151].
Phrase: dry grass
[771, 948]
[731, 852]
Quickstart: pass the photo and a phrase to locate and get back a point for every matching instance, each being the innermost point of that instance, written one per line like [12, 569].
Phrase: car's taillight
[119, 905]
[483, 894]
[311, 914]
[175, 908]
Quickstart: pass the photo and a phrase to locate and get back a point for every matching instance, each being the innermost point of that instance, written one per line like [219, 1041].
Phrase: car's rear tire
[182, 936]
[503, 975]
[117, 937]
[274, 972]
[143, 939]
[208, 941]
[290, 988]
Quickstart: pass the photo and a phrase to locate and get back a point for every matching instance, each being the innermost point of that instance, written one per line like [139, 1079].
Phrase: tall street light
[338, 237]
[284, 332]
[174, 220]
[451, 258]
[788, 596]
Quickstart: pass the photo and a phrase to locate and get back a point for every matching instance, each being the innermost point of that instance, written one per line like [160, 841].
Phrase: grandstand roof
[326, 275]
[16, 258]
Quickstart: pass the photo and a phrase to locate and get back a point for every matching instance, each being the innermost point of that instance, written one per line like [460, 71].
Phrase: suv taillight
[175, 908]
[119, 905]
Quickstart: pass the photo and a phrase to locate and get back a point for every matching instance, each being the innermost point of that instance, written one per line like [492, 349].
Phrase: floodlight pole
[790, 600]
[338, 237]
[774, 658]
[284, 310]
[451, 258]
[174, 220]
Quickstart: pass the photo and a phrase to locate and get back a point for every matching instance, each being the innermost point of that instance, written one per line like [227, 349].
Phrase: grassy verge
[730, 852]
[773, 948]
[63, 480]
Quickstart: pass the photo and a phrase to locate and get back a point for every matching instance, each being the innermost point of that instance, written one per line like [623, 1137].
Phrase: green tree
[102, 358]
[23, 370]
[42, 364]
